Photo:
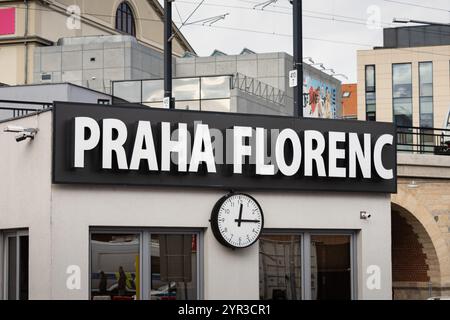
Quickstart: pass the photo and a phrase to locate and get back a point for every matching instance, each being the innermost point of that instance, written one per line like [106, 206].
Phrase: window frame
[373, 90]
[4, 268]
[305, 236]
[145, 254]
[400, 98]
[424, 96]
[125, 13]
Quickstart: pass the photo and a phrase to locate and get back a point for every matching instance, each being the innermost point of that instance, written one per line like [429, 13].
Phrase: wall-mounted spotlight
[412, 185]
[22, 133]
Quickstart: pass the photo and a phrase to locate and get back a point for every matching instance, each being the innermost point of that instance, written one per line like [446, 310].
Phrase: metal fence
[15, 108]
[423, 140]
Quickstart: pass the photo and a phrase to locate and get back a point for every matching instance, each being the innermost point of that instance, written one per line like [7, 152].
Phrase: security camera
[14, 129]
[364, 215]
[24, 135]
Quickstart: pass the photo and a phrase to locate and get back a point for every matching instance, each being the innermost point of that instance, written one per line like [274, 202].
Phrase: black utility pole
[168, 52]
[298, 57]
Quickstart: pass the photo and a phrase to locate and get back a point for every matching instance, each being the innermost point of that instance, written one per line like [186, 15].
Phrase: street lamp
[406, 20]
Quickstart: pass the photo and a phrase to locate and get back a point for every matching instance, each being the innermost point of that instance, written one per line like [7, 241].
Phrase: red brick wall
[408, 258]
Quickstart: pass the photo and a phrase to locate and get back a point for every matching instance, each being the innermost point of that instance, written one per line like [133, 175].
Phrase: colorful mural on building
[319, 99]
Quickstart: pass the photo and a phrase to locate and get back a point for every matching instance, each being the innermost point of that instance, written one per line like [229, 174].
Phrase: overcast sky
[333, 29]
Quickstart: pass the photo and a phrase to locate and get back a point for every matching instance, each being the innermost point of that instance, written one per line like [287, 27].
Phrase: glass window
[186, 89]
[307, 265]
[115, 267]
[402, 94]
[346, 94]
[403, 112]
[370, 93]
[220, 105]
[16, 266]
[426, 94]
[174, 266]
[402, 80]
[330, 267]
[426, 112]
[12, 268]
[370, 78]
[187, 105]
[280, 267]
[128, 90]
[163, 266]
[125, 19]
[158, 105]
[215, 87]
[152, 91]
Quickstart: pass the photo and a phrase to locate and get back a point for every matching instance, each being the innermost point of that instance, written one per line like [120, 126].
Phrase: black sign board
[133, 145]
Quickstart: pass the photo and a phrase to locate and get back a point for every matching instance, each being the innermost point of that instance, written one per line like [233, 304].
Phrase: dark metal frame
[366, 87]
[393, 98]
[440, 144]
[420, 92]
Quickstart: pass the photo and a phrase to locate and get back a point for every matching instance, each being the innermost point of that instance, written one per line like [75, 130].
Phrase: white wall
[228, 274]
[25, 195]
[59, 218]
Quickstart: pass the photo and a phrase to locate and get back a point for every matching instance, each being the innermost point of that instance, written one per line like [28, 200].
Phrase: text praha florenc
[163, 146]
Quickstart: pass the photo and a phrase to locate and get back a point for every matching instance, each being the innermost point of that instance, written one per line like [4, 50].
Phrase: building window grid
[125, 21]
[205, 97]
[370, 92]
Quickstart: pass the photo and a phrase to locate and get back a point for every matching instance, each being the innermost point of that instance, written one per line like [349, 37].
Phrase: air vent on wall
[46, 77]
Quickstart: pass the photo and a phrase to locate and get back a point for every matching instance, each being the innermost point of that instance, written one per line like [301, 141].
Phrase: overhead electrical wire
[410, 4]
[260, 31]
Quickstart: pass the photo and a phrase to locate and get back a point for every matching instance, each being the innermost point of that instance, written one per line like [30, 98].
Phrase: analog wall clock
[237, 220]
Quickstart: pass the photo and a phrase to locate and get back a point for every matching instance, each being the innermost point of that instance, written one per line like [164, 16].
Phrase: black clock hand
[244, 220]
[239, 220]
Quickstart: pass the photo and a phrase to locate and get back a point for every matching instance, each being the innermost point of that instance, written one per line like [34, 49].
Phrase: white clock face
[239, 220]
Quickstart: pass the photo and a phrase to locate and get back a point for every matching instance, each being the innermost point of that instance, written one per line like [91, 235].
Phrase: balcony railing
[423, 140]
[15, 108]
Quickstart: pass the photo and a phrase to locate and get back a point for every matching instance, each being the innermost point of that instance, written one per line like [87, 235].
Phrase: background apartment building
[408, 79]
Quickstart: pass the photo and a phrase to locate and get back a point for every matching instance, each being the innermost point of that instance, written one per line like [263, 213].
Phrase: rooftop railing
[260, 89]
[10, 109]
